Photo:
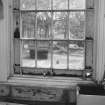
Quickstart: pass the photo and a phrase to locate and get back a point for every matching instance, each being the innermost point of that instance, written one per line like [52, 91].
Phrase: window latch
[89, 38]
[17, 33]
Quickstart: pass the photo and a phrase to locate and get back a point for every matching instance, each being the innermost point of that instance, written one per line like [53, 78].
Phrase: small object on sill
[87, 74]
[88, 67]
[90, 8]
[17, 68]
[44, 74]
[15, 9]
[17, 65]
[89, 38]
[49, 73]
[52, 73]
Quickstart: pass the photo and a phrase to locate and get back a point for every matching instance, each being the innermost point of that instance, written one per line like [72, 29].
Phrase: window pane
[28, 24]
[76, 55]
[44, 4]
[60, 55]
[27, 4]
[77, 4]
[60, 4]
[43, 54]
[60, 21]
[28, 54]
[77, 25]
[43, 25]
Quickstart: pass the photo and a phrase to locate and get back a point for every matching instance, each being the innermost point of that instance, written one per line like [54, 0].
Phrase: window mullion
[35, 42]
[85, 41]
[68, 34]
[21, 45]
[52, 38]
[35, 34]
[21, 42]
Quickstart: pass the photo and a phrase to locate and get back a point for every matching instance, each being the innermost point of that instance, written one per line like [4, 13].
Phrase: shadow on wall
[1, 10]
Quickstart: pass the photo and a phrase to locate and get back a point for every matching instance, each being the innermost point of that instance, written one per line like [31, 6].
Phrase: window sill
[46, 81]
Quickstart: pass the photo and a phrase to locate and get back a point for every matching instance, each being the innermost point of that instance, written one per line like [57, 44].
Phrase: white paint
[4, 103]
[100, 61]
[4, 44]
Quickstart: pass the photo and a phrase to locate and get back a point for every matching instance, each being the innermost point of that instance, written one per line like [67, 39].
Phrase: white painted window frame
[6, 45]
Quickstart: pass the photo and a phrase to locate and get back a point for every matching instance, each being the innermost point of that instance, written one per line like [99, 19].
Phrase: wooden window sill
[46, 81]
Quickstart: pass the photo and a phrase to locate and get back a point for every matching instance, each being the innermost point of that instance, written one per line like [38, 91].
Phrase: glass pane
[60, 4]
[76, 55]
[43, 54]
[77, 25]
[27, 4]
[43, 25]
[60, 55]
[77, 4]
[60, 21]
[28, 24]
[28, 54]
[44, 4]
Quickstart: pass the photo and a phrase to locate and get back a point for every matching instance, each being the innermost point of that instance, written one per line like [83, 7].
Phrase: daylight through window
[53, 36]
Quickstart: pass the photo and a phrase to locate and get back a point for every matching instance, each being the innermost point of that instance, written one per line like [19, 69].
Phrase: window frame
[78, 73]
[6, 43]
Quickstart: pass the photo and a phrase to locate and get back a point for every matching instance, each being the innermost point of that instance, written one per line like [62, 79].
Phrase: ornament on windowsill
[1, 10]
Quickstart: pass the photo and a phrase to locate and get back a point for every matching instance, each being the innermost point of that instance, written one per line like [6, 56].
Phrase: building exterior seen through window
[53, 36]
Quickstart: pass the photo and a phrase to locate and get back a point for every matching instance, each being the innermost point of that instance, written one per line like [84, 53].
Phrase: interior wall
[4, 42]
[100, 31]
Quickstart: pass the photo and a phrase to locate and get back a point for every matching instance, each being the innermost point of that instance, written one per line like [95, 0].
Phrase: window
[54, 37]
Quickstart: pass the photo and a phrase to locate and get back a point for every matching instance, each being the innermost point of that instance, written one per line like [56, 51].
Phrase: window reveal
[1, 10]
[55, 35]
